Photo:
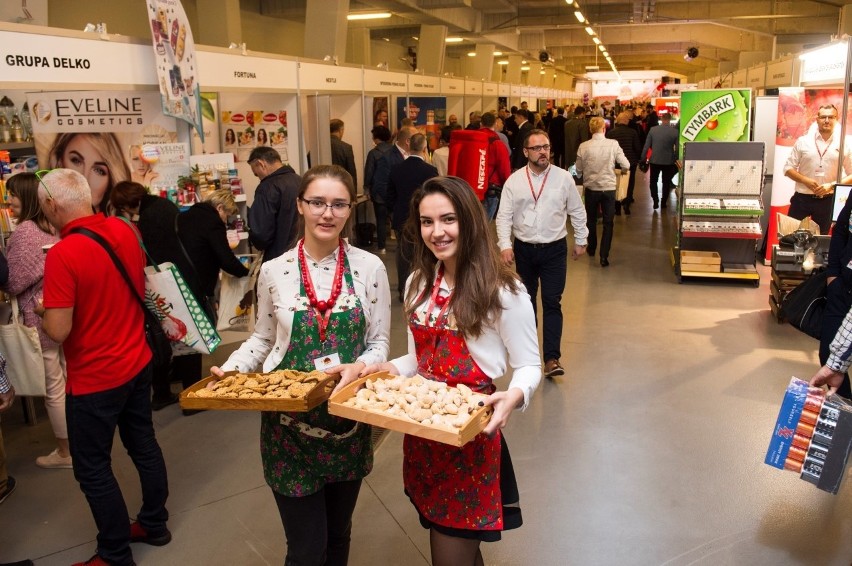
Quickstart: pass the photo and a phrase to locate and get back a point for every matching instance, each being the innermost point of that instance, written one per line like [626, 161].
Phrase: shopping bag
[22, 349]
[621, 180]
[237, 300]
[181, 314]
[804, 306]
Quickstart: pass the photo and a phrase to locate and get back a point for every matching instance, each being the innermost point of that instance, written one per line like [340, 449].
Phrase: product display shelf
[719, 208]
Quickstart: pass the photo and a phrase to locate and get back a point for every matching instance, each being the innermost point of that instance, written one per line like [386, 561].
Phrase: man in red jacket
[90, 309]
[499, 166]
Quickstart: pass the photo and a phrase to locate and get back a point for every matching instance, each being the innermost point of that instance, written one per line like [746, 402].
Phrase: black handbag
[161, 346]
[803, 307]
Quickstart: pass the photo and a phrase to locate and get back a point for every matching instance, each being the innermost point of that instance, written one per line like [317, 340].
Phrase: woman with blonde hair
[26, 256]
[97, 156]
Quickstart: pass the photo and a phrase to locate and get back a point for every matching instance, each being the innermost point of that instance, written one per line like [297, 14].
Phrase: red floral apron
[452, 487]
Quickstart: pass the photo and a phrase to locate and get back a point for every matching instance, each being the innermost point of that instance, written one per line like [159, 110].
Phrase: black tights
[454, 551]
[318, 526]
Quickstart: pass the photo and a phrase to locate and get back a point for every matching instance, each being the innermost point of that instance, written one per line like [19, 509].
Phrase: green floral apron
[301, 452]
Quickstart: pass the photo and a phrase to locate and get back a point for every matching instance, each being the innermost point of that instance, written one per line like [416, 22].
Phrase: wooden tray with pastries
[280, 390]
[401, 404]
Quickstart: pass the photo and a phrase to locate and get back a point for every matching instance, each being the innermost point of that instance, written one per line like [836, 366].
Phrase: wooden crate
[315, 397]
[693, 257]
[478, 420]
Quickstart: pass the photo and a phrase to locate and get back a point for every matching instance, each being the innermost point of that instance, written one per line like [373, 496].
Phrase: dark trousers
[558, 154]
[92, 419]
[186, 369]
[380, 209]
[404, 253]
[631, 183]
[837, 304]
[819, 209]
[668, 172]
[606, 201]
[318, 526]
[547, 264]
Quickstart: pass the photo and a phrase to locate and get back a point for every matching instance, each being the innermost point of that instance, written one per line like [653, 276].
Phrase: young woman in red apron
[324, 304]
[468, 315]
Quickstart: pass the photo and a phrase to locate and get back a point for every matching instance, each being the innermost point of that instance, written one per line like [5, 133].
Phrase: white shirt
[559, 201]
[805, 158]
[512, 338]
[596, 160]
[278, 296]
[441, 159]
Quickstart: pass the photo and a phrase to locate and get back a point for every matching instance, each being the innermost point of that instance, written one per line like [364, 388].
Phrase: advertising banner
[174, 53]
[210, 122]
[245, 130]
[797, 111]
[429, 114]
[721, 115]
[99, 134]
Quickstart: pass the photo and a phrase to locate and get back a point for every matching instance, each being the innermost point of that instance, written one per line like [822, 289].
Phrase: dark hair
[417, 143]
[524, 113]
[336, 173]
[534, 132]
[25, 187]
[480, 273]
[488, 119]
[126, 195]
[446, 131]
[381, 133]
[514, 110]
[560, 111]
[579, 110]
[265, 153]
[336, 125]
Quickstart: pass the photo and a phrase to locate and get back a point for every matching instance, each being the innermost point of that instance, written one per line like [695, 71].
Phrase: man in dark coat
[341, 152]
[519, 160]
[576, 132]
[556, 133]
[273, 218]
[628, 139]
[405, 178]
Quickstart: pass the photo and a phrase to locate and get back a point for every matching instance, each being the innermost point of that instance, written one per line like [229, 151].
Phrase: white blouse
[511, 340]
[278, 297]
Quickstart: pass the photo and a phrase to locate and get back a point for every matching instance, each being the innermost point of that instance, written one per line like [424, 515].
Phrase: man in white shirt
[441, 156]
[540, 250]
[596, 160]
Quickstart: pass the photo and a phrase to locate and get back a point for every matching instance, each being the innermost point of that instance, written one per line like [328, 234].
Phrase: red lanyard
[322, 309]
[541, 189]
[437, 300]
[816, 143]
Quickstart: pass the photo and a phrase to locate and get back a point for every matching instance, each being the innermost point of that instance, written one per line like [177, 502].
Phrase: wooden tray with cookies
[413, 405]
[279, 390]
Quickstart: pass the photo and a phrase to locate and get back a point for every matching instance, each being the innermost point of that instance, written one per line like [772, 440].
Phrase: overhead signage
[421, 85]
[824, 65]
[779, 73]
[489, 89]
[473, 88]
[452, 86]
[504, 89]
[226, 70]
[756, 76]
[739, 79]
[515, 91]
[384, 81]
[714, 115]
[34, 58]
[319, 77]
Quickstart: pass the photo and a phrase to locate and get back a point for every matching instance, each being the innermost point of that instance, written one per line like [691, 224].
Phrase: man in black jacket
[556, 133]
[341, 152]
[576, 132]
[273, 218]
[519, 160]
[405, 178]
[628, 139]
[377, 182]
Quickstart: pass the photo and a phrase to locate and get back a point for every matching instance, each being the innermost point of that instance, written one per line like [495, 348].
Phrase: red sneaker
[139, 534]
[93, 561]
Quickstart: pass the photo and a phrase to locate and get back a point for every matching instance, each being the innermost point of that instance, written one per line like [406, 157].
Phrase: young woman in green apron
[325, 305]
[468, 315]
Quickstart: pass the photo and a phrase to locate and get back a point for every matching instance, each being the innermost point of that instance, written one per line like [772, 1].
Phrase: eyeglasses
[545, 147]
[317, 207]
[39, 174]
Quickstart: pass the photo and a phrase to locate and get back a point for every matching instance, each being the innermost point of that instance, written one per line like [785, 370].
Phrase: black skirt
[512, 518]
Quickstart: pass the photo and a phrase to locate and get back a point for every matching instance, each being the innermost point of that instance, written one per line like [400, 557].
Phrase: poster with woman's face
[98, 134]
[380, 111]
[244, 131]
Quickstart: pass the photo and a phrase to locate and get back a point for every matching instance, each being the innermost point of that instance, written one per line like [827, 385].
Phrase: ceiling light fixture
[525, 68]
[472, 54]
[497, 53]
[580, 17]
[601, 47]
[369, 16]
[596, 40]
[454, 40]
[502, 62]
[589, 30]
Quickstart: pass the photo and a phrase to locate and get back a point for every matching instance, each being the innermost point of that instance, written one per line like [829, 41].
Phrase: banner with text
[721, 115]
[174, 53]
[99, 134]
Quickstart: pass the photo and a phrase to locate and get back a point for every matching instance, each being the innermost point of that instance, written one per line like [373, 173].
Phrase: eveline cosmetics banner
[100, 133]
[174, 53]
[720, 115]
[797, 111]
[429, 114]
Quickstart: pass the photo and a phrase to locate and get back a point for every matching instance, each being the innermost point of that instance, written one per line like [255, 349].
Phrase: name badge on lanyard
[322, 363]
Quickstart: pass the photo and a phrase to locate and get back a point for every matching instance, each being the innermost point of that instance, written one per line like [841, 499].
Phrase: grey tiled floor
[649, 451]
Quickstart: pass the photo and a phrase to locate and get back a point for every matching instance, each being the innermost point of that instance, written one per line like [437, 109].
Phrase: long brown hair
[25, 187]
[480, 273]
[336, 173]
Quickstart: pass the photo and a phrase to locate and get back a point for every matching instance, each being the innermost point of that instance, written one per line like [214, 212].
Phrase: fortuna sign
[710, 111]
